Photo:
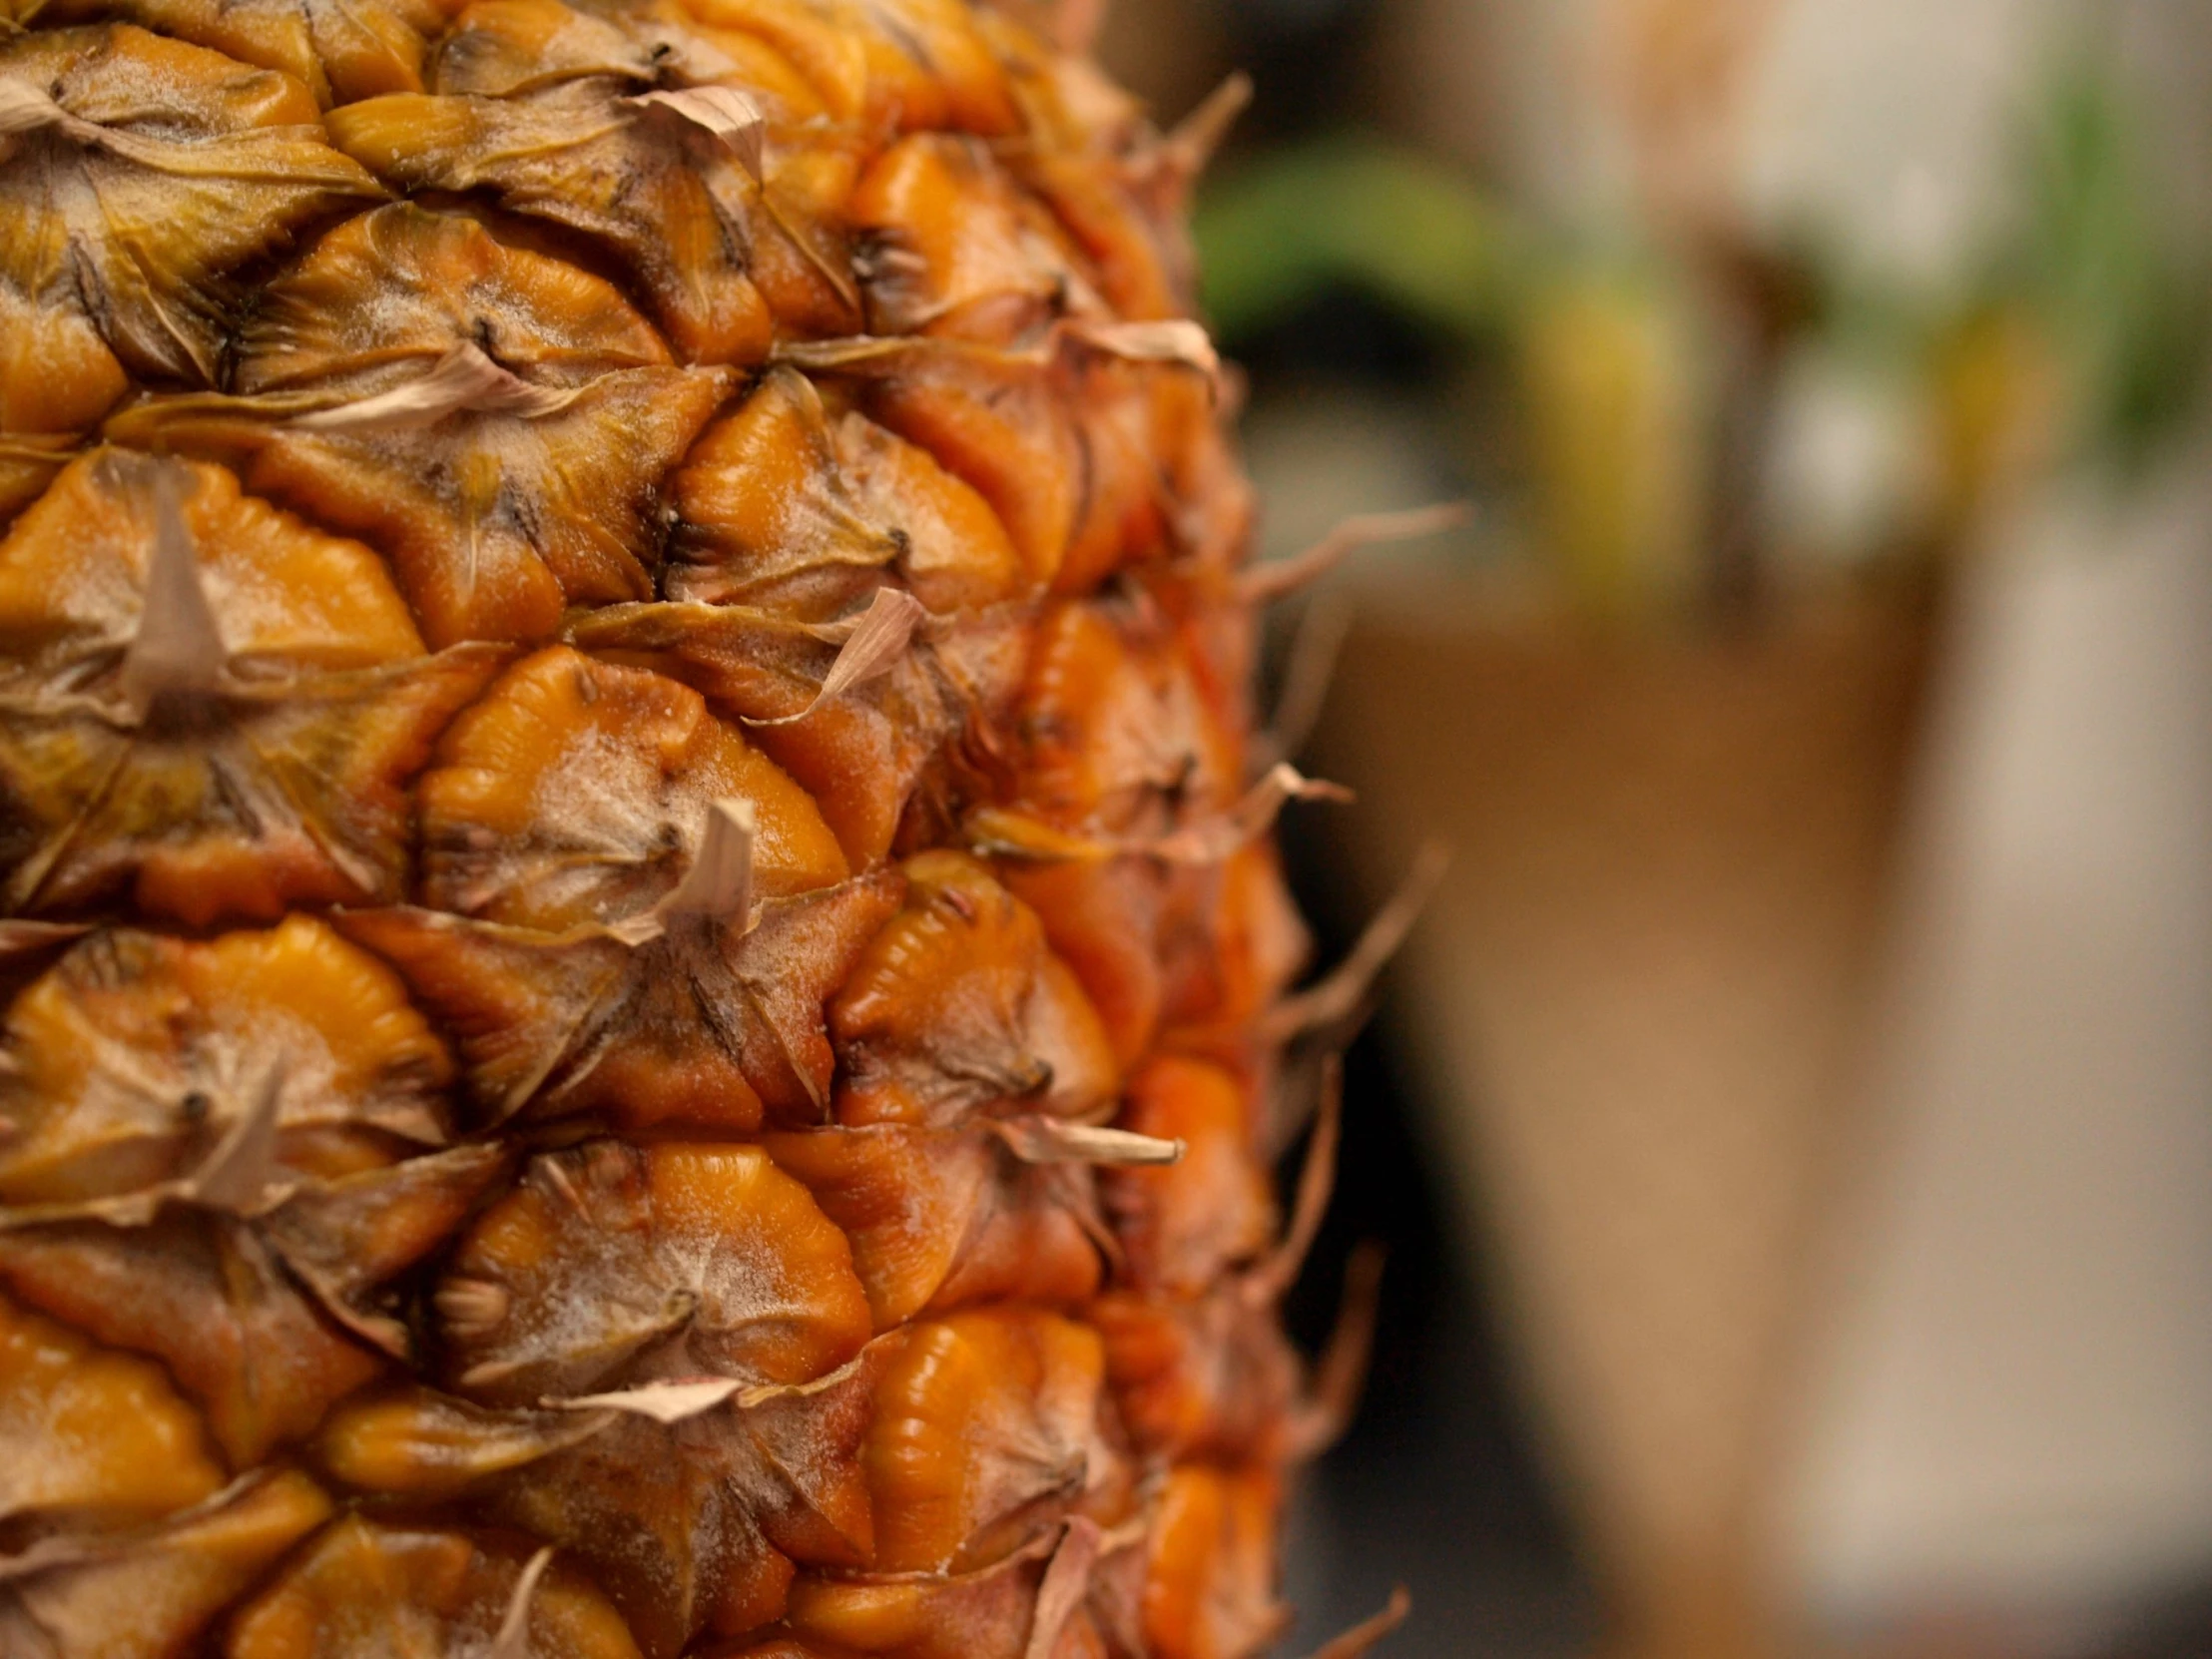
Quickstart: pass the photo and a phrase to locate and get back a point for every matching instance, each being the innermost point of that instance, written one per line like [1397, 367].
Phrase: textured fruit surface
[637, 937]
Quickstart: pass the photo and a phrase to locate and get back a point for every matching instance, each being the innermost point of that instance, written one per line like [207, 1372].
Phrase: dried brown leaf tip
[1337, 995]
[1262, 583]
[361, 1584]
[869, 646]
[492, 420]
[730, 116]
[463, 382]
[717, 887]
[156, 1588]
[205, 704]
[121, 216]
[1361, 1638]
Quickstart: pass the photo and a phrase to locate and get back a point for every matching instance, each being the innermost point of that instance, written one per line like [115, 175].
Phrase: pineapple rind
[448, 453]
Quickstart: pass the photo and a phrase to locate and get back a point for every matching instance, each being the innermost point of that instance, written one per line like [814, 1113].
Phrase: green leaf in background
[1352, 212]
[2105, 256]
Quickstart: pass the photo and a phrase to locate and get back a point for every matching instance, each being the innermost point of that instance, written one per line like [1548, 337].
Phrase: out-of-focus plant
[1352, 212]
[1616, 443]
[1601, 348]
[2107, 262]
[1882, 427]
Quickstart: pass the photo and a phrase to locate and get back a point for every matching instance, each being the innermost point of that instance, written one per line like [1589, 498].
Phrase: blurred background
[1792, 1119]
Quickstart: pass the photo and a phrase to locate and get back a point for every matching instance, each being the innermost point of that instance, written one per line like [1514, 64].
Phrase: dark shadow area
[1438, 1484]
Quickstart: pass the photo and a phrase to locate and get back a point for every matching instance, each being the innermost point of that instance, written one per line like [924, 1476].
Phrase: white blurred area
[1885, 122]
[2014, 1410]
[2011, 1413]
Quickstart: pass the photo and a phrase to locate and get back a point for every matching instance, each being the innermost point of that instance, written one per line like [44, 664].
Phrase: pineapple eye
[361, 1581]
[504, 486]
[989, 1430]
[789, 507]
[942, 1219]
[543, 108]
[960, 251]
[693, 1506]
[1210, 1563]
[577, 791]
[250, 699]
[612, 1265]
[148, 291]
[353, 1073]
[154, 1589]
[88, 1431]
[699, 1023]
[957, 1007]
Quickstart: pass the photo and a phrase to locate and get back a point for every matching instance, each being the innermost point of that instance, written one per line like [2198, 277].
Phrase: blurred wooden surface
[1634, 1004]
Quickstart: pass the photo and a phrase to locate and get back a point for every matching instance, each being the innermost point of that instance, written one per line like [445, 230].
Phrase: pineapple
[641, 972]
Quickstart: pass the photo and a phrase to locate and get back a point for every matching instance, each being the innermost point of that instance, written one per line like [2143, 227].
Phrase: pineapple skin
[623, 699]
